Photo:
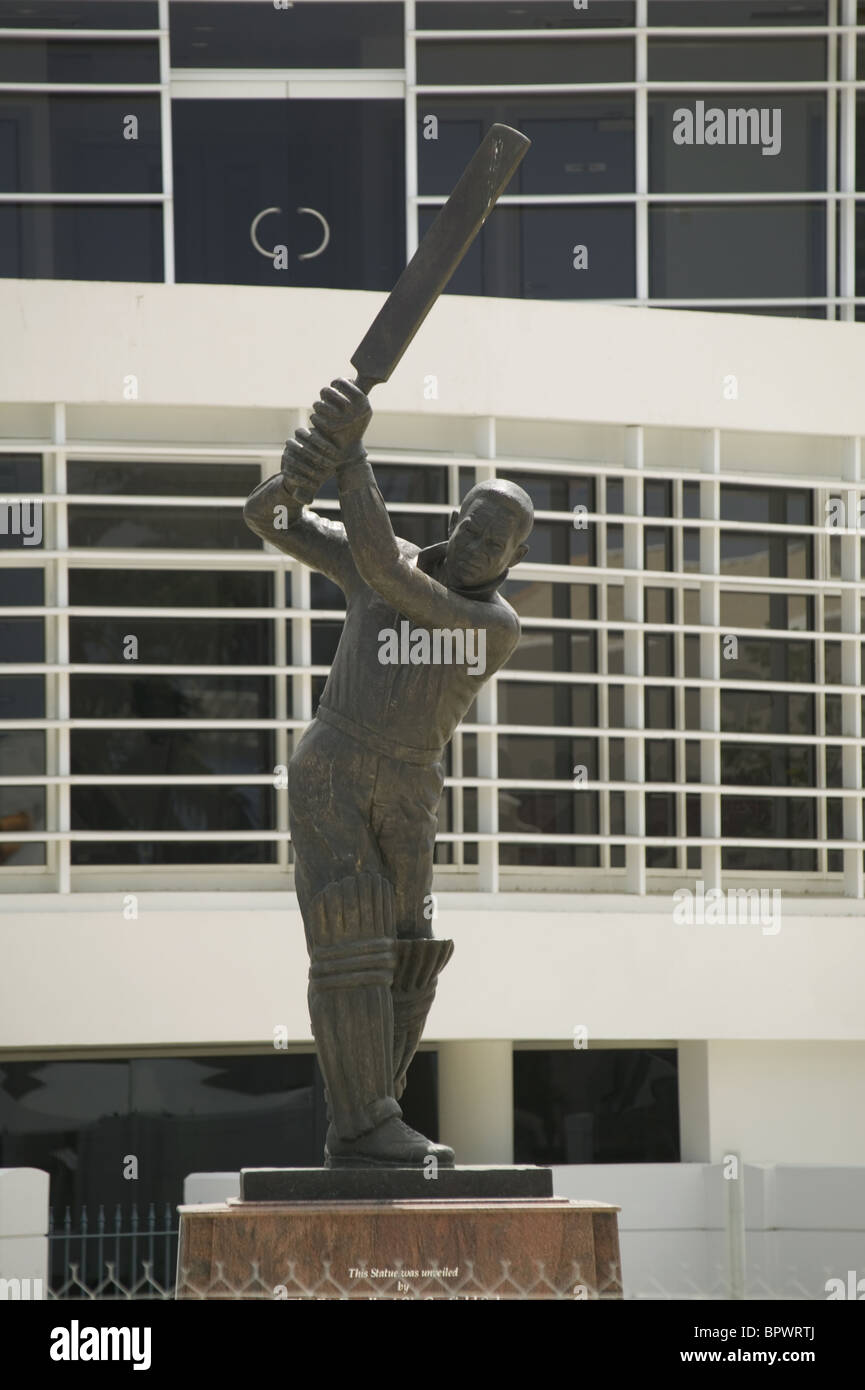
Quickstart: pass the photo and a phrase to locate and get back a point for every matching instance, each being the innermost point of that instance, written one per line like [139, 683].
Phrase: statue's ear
[455, 516]
[519, 554]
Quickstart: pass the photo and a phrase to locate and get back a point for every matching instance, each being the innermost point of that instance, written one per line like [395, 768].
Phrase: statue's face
[482, 544]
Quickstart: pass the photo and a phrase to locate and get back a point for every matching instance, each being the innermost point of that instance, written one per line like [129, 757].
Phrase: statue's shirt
[391, 588]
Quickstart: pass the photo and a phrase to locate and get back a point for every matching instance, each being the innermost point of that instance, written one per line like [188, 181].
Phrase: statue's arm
[382, 566]
[274, 513]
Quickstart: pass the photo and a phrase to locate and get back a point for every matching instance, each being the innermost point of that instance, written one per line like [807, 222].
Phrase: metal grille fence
[123, 1256]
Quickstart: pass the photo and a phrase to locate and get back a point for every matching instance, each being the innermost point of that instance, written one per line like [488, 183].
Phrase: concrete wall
[800, 1101]
[23, 1233]
[241, 345]
[803, 1226]
[189, 970]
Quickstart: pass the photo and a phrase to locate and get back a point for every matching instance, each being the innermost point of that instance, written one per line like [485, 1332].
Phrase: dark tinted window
[524, 61]
[749, 142]
[76, 144]
[548, 253]
[539, 14]
[714, 251]
[81, 242]
[71, 60]
[616, 1105]
[254, 33]
[579, 144]
[79, 14]
[334, 169]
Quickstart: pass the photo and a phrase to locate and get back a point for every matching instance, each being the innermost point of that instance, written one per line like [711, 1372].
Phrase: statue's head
[488, 534]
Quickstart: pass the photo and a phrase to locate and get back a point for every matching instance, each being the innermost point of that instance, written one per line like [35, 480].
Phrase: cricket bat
[483, 181]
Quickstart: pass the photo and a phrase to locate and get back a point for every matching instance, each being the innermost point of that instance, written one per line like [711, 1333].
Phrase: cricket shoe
[392, 1144]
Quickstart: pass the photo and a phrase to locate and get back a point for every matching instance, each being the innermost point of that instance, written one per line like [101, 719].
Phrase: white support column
[680, 768]
[851, 670]
[695, 1139]
[641, 152]
[167, 149]
[411, 184]
[61, 654]
[846, 226]
[487, 714]
[282, 738]
[24, 1232]
[822, 572]
[710, 663]
[634, 653]
[458, 822]
[831, 162]
[476, 1100]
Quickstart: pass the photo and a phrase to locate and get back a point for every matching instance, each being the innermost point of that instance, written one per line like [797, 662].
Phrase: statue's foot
[392, 1144]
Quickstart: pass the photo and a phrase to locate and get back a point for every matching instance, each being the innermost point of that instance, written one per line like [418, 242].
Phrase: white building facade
[651, 852]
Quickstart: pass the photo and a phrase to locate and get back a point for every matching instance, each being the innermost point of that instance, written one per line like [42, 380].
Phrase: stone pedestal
[415, 1247]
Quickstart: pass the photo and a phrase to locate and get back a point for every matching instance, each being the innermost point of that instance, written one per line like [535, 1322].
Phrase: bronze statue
[366, 777]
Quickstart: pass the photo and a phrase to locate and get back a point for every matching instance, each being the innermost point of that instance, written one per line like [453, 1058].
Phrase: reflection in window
[545, 813]
[792, 130]
[81, 242]
[766, 553]
[560, 543]
[76, 144]
[173, 641]
[737, 60]
[80, 14]
[660, 760]
[517, 61]
[159, 528]
[543, 599]
[171, 752]
[546, 759]
[73, 60]
[771, 660]
[169, 479]
[21, 473]
[22, 639]
[553, 492]
[241, 34]
[21, 809]
[555, 649]
[554, 706]
[535, 253]
[788, 612]
[152, 588]
[344, 159]
[738, 12]
[714, 251]
[767, 764]
[601, 1105]
[660, 820]
[764, 712]
[579, 144]
[422, 529]
[768, 818]
[148, 808]
[540, 14]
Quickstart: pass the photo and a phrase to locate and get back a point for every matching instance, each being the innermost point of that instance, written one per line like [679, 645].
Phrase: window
[599, 1105]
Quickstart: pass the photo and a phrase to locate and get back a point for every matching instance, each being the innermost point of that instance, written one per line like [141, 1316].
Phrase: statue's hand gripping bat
[448, 239]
